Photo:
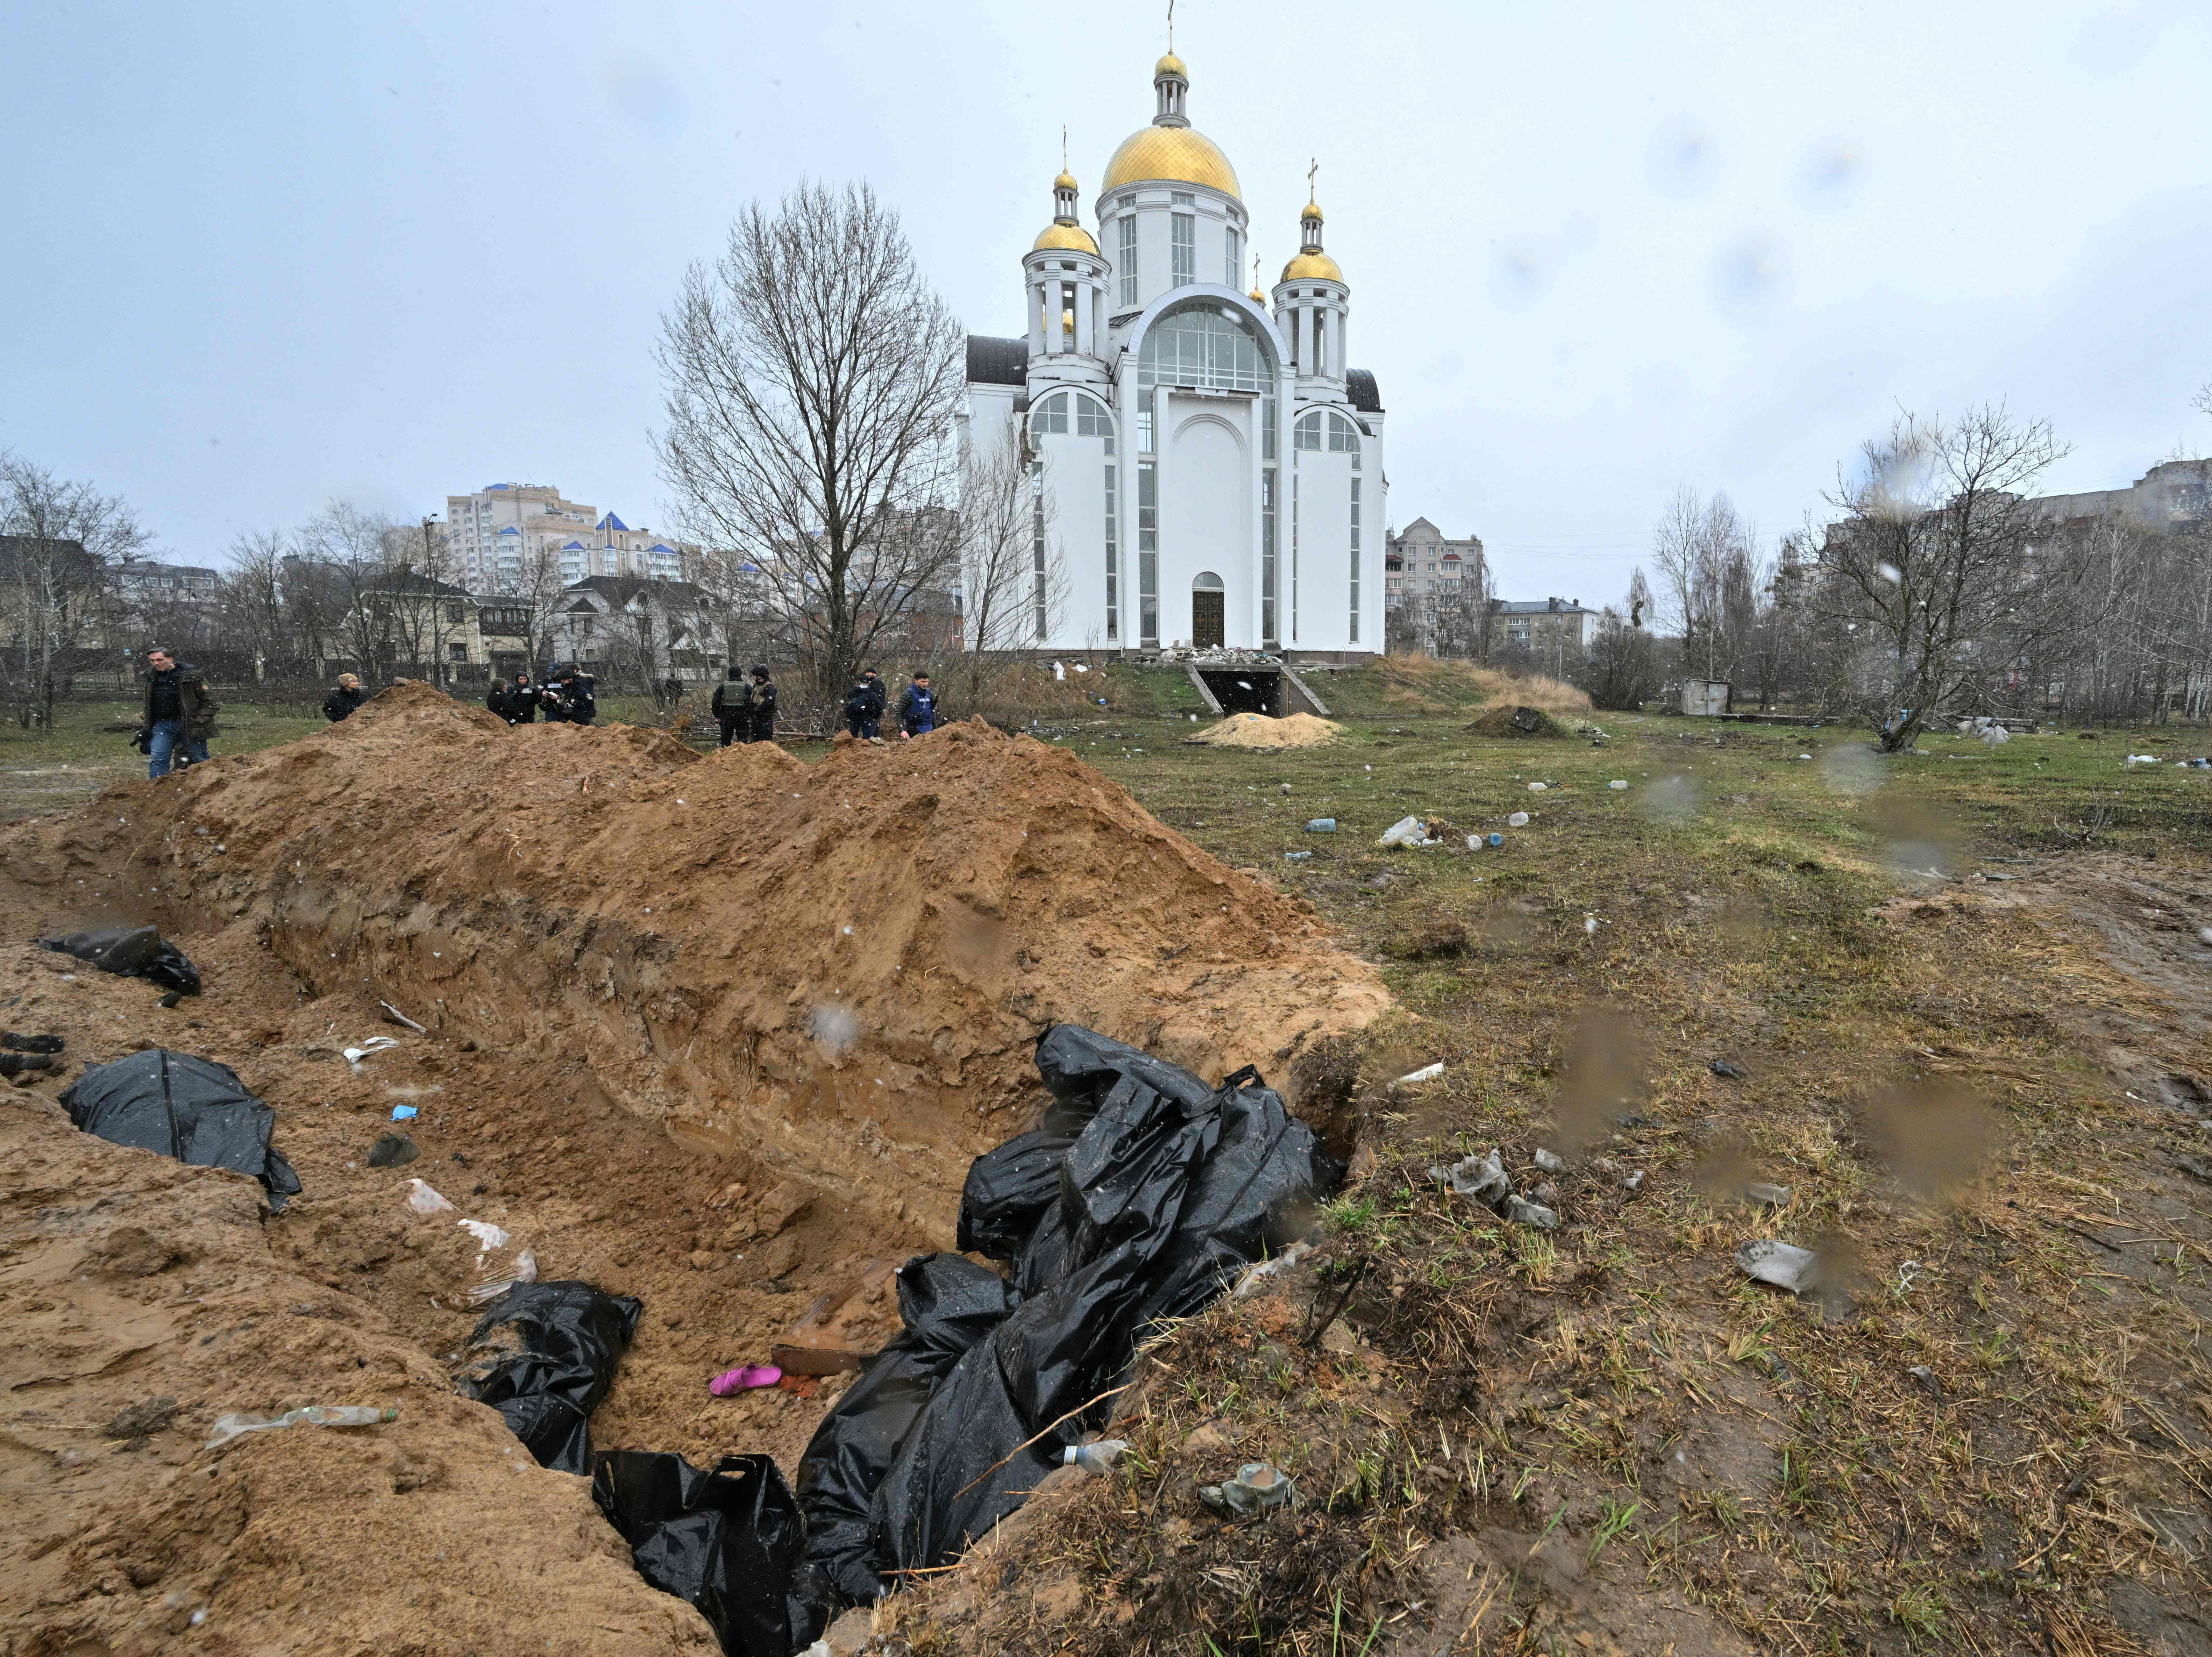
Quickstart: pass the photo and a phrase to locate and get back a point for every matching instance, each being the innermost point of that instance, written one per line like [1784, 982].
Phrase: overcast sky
[259, 256]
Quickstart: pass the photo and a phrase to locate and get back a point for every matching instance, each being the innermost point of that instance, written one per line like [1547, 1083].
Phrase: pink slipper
[744, 1376]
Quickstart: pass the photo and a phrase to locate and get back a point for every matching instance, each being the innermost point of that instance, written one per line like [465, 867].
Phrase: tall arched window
[1318, 431]
[1210, 347]
[1074, 413]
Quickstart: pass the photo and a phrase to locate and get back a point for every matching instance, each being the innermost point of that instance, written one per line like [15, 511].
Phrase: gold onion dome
[1073, 237]
[1182, 154]
[1312, 267]
[1258, 298]
[1169, 64]
[1309, 211]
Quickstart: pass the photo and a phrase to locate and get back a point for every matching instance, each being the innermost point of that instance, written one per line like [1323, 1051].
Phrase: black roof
[1366, 396]
[997, 361]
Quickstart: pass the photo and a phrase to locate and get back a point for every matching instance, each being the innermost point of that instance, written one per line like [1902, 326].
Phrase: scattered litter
[424, 1200]
[1634, 1182]
[398, 1017]
[1494, 840]
[403, 1112]
[1258, 1276]
[23, 1043]
[725, 1542]
[1482, 1178]
[1297, 856]
[2204, 935]
[1322, 825]
[26, 1064]
[2142, 759]
[1996, 736]
[1907, 1270]
[743, 1378]
[1773, 1196]
[1730, 1069]
[524, 1270]
[131, 951]
[1522, 1212]
[1589, 924]
[393, 1150]
[1098, 1456]
[1551, 1162]
[488, 1235]
[192, 1109]
[229, 1427]
[1286, 789]
[1926, 1377]
[1538, 787]
[1618, 783]
[1517, 820]
[1258, 1486]
[1405, 831]
[1784, 1264]
[553, 1361]
[1414, 1078]
[374, 1045]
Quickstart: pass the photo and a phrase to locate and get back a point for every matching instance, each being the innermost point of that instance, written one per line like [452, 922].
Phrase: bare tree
[1709, 577]
[1932, 563]
[1621, 668]
[352, 547]
[812, 377]
[66, 544]
[1013, 575]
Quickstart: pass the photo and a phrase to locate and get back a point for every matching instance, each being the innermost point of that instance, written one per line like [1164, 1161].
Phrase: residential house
[635, 630]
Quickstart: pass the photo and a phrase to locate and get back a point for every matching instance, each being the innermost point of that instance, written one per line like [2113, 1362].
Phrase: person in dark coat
[522, 700]
[732, 706]
[580, 691]
[917, 708]
[864, 705]
[498, 700]
[179, 716]
[763, 706]
[346, 695]
[553, 700]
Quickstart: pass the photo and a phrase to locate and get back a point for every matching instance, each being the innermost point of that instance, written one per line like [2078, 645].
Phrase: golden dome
[1065, 182]
[1073, 237]
[1312, 267]
[1309, 211]
[1180, 154]
[1169, 64]
[1258, 298]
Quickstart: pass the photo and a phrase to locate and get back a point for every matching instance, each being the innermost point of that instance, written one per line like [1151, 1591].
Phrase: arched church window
[1210, 347]
[1051, 415]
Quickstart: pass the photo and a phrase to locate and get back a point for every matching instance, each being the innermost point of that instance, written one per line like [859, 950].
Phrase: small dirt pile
[1512, 721]
[840, 967]
[1258, 731]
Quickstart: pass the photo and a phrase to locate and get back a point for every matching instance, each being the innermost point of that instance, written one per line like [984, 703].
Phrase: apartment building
[1422, 561]
[507, 537]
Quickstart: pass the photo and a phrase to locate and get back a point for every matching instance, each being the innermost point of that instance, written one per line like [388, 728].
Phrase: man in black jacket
[522, 699]
[864, 705]
[179, 714]
[346, 695]
[579, 691]
[763, 707]
[732, 706]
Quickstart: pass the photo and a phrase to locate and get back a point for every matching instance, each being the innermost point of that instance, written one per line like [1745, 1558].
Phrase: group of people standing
[745, 711]
[864, 706]
[569, 698]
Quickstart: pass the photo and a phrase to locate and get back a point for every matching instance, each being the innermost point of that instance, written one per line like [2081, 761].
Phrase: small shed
[1706, 695]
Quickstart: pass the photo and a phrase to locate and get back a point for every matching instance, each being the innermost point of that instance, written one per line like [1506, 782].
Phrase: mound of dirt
[1508, 720]
[1428, 685]
[1258, 731]
[842, 965]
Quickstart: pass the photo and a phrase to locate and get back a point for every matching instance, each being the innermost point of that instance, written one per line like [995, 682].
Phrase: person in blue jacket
[917, 708]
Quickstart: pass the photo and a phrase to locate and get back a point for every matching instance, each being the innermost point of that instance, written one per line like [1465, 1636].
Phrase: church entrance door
[1208, 621]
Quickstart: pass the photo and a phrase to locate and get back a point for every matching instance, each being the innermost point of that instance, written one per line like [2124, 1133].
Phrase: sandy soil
[1258, 731]
[712, 1030]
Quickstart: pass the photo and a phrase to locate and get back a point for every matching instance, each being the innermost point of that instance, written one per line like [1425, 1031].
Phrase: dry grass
[1423, 684]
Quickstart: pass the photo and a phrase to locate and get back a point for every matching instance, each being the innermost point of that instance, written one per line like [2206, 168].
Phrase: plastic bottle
[1322, 825]
[227, 1428]
[1094, 1458]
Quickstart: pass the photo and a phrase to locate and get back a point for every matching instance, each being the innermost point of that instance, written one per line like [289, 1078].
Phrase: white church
[1207, 469]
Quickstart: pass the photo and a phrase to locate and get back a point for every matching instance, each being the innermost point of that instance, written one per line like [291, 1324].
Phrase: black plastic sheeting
[947, 1304]
[549, 1374]
[727, 1542]
[192, 1109]
[1161, 1189]
[134, 951]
